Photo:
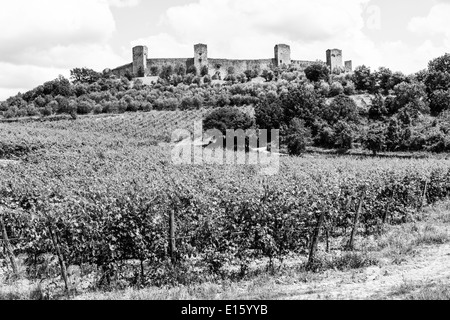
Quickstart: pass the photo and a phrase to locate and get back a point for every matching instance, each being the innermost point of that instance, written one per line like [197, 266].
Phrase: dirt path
[430, 265]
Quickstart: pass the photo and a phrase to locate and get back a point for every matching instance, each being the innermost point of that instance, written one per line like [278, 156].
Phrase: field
[93, 198]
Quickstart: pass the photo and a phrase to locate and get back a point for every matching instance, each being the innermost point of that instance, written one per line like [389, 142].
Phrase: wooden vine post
[7, 244]
[62, 264]
[424, 196]
[351, 243]
[172, 242]
[315, 241]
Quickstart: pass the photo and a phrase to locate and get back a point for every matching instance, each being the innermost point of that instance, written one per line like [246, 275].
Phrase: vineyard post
[62, 264]
[315, 240]
[172, 235]
[424, 195]
[7, 244]
[386, 212]
[351, 242]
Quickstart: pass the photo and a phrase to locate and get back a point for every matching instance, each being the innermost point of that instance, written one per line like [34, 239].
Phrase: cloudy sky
[41, 39]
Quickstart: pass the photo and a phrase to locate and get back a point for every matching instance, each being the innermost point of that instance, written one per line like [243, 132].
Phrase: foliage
[298, 137]
[224, 119]
[317, 72]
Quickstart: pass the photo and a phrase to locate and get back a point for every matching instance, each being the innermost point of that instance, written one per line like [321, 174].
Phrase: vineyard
[101, 194]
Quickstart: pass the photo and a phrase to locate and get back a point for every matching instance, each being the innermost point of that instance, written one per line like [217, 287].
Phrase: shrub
[84, 107]
[166, 72]
[46, 111]
[317, 72]
[32, 110]
[154, 71]
[336, 89]
[192, 70]
[204, 71]
[349, 88]
[323, 88]
[180, 70]
[11, 112]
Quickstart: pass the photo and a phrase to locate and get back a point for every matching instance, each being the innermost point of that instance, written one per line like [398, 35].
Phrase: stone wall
[160, 62]
[220, 67]
[301, 64]
[240, 66]
[121, 71]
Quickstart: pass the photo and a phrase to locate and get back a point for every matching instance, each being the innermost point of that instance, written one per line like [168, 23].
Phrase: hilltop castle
[142, 65]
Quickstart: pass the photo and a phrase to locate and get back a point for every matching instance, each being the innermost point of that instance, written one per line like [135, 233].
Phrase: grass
[410, 290]
[438, 292]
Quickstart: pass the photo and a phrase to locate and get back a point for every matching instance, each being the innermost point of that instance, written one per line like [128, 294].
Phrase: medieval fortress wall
[142, 65]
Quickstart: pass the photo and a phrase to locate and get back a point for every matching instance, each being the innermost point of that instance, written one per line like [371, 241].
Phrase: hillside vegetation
[380, 110]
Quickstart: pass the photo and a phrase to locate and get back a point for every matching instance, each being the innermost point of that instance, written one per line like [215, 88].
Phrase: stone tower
[282, 55]
[200, 57]
[334, 59]
[140, 54]
[348, 66]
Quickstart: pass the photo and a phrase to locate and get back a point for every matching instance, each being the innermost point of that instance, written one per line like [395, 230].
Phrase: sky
[42, 39]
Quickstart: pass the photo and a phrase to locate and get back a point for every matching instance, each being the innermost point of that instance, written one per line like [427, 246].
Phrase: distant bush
[317, 72]
[336, 89]
[84, 107]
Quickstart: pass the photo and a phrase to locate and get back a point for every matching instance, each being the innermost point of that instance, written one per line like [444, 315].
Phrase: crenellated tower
[282, 55]
[140, 55]
[200, 57]
[334, 59]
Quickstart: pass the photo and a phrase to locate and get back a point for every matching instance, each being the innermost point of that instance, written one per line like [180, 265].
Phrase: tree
[342, 108]
[440, 64]
[84, 75]
[393, 135]
[439, 101]
[192, 70]
[154, 71]
[411, 96]
[363, 79]
[375, 139]
[344, 136]
[336, 89]
[166, 72]
[180, 70]
[224, 119]
[299, 102]
[317, 71]
[269, 113]
[377, 109]
[204, 71]
[298, 137]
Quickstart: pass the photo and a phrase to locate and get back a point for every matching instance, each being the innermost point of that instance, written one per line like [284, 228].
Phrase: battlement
[221, 68]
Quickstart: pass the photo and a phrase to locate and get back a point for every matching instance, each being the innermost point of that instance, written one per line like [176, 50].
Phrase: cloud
[437, 22]
[251, 28]
[124, 3]
[42, 39]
